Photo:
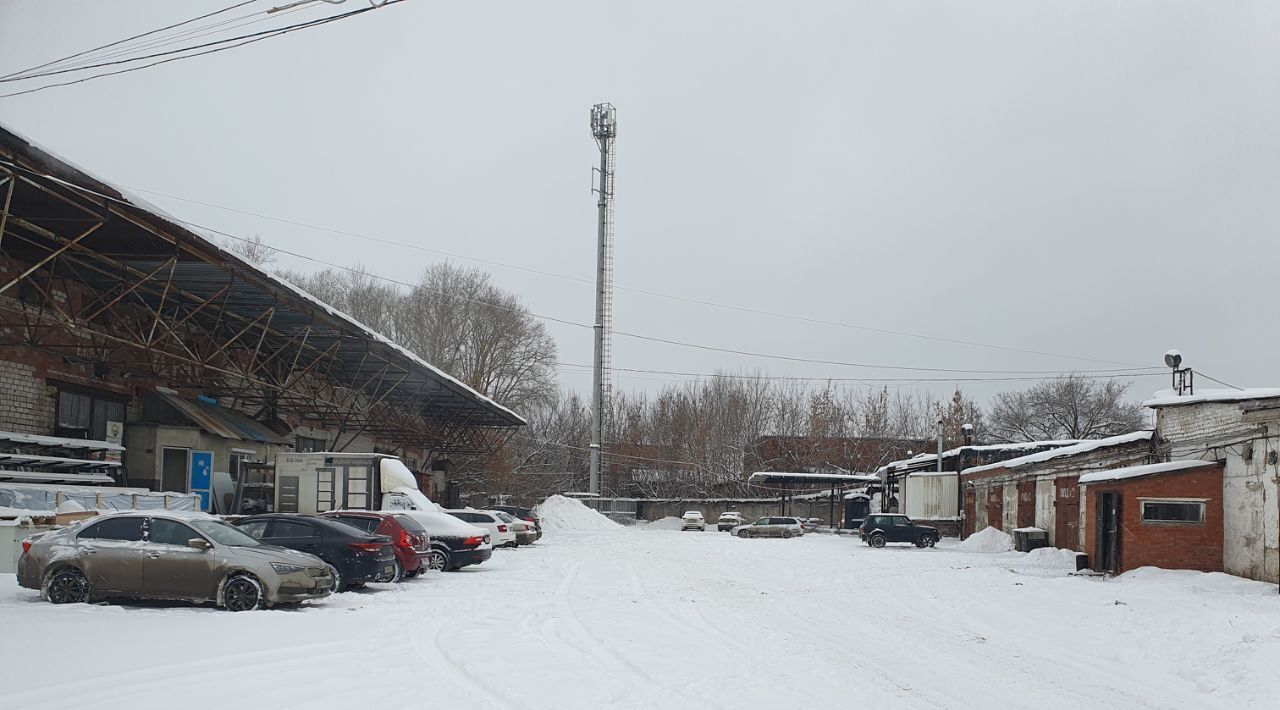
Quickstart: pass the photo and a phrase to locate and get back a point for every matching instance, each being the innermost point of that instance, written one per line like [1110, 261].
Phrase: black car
[353, 555]
[880, 529]
[522, 513]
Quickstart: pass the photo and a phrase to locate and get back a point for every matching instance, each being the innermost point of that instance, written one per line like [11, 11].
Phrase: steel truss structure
[99, 279]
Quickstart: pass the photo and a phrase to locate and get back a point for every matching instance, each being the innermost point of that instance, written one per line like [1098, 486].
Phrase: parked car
[882, 528]
[812, 523]
[454, 544]
[525, 514]
[693, 520]
[353, 556]
[729, 521]
[782, 526]
[171, 555]
[409, 541]
[526, 533]
[500, 532]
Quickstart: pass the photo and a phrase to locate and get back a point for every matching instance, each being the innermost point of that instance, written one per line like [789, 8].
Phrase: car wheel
[397, 572]
[787, 534]
[437, 560]
[337, 577]
[67, 586]
[242, 593]
[926, 541]
[876, 540]
[744, 533]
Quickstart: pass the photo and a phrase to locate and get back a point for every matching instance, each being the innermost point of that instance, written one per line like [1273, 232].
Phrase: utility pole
[604, 128]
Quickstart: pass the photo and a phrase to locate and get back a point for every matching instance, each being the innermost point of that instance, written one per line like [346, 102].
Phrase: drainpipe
[967, 430]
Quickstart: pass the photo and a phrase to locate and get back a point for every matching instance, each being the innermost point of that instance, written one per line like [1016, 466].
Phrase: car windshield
[410, 524]
[223, 533]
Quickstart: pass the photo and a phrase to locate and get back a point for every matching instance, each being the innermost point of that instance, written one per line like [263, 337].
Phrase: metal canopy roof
[784, 477]
[217, 320]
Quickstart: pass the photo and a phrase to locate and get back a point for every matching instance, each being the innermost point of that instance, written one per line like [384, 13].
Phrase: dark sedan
[352, 555]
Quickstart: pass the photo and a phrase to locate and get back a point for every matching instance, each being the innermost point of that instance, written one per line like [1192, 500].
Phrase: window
[309, 445]
[359, 521]
[1173, 512]
[125, 529]
[255, 529]
[84, 415]
[288, 528]
[226, 534]
[169, 532]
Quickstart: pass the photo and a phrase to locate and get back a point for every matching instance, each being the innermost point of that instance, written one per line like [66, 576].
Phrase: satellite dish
[1173, 359]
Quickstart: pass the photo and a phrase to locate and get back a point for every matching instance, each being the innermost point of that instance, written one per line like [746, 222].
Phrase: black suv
[882, 528]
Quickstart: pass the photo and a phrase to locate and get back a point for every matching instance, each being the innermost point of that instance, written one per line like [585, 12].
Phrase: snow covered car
[729, 521]
[454, 544]
[780, 526]
[502, 534]
[524, 514]
[172, 555]
[526, 533]
[882, 528]
[693, 520]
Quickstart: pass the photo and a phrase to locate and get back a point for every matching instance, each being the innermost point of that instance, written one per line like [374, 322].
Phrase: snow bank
[667, 523]
[560, 513]
[1183, 579]
[987, 539]
[1049, 557]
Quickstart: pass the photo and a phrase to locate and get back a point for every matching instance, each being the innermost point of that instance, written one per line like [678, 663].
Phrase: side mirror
[198, 543]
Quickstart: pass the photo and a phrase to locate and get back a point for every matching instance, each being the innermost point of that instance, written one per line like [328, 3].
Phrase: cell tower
[604, 127]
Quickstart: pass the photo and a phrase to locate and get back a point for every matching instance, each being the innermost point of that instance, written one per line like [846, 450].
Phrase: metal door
[1027, 504]
[970, 511]
[1107, 533]
[995, 506]
[174, 465]
[1066, 514]
[202, 477]
[171, 569]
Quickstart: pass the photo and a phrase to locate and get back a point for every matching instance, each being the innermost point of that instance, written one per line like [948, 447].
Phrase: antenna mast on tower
[604, 127]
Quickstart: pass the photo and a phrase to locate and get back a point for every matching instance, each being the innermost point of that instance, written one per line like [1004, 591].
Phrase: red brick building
[1160, 515]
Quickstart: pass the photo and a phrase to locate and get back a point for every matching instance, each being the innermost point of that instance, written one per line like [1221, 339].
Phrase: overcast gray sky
[1093, 179]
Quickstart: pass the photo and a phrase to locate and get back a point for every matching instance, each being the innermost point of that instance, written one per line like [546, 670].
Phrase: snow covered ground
[652, 618]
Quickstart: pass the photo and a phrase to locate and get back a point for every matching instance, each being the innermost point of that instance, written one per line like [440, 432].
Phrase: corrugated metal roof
[223, 422]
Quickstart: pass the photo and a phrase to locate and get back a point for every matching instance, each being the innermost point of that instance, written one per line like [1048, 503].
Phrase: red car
[409, 540]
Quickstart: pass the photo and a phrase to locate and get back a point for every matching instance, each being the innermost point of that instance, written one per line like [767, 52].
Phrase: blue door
[202, 476]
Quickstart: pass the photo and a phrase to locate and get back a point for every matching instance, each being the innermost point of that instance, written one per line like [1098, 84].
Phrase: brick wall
[28, 401]
[1172, 546]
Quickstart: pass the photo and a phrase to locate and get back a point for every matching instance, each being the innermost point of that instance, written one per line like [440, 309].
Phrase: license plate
[388, 570]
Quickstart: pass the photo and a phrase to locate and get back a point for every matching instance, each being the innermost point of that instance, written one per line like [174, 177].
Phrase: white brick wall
[29, 404]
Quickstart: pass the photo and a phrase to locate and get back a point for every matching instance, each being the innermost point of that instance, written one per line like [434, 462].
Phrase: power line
[684, 299]
[679, 343]
[1214, 379]
[1101, 374]
[221, 45]
[126, 39]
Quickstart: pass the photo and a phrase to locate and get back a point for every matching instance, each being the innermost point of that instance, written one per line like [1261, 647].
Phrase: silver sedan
[168, 555]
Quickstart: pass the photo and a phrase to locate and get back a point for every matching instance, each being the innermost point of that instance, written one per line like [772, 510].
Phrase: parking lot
[645, 618]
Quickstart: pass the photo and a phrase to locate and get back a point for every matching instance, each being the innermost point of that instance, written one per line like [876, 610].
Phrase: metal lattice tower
[604, 127]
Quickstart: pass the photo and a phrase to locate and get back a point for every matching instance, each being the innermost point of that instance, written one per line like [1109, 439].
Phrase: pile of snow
[987, 539]
[667, 523]
[558, 513]
[1182, 580]
[1049, 557]
[70, 506]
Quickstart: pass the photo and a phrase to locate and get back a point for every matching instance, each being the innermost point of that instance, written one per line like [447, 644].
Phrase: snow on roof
[1080, 448]
[143, 204]
[1117, 474]
[1170, 398]
[766, 475]
[1013, 446]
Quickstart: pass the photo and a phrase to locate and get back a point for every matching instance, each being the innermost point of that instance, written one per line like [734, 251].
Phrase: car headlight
[282, 568]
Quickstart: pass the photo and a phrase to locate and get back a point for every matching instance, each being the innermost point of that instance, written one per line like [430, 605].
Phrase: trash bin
[1028, 539]
[1082, 562]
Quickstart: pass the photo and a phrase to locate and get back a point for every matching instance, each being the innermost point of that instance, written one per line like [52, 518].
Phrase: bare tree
[1072, 407]
[252, 250]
